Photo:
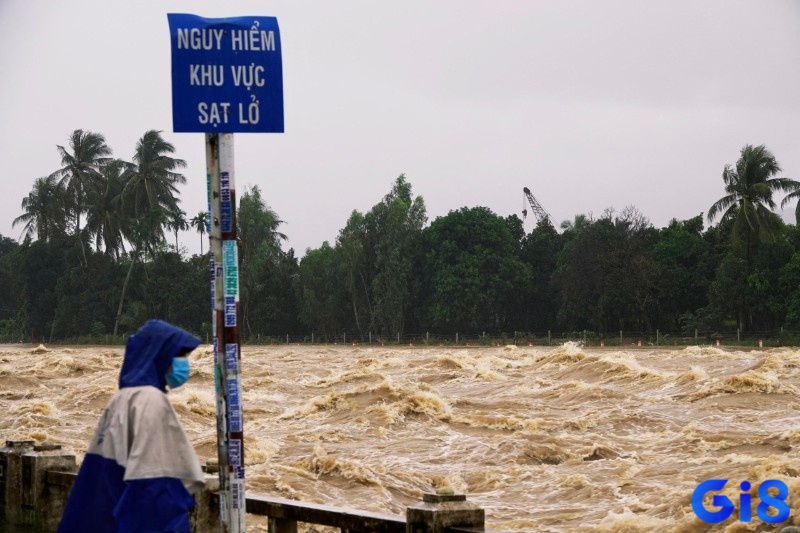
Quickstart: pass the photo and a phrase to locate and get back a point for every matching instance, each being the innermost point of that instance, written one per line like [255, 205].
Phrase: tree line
[97, 257]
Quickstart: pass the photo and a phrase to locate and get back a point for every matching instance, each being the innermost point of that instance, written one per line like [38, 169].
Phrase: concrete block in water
[437, 512]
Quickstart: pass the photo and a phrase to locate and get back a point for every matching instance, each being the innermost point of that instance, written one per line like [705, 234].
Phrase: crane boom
[536, 207]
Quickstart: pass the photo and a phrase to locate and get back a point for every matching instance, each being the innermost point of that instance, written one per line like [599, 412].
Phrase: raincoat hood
[149, 353]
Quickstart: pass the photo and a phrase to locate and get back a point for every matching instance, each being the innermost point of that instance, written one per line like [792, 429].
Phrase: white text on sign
[219, 112]
[243, 75]
[253, 40]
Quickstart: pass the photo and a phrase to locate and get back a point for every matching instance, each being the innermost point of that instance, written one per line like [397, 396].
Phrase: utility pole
[225, 324]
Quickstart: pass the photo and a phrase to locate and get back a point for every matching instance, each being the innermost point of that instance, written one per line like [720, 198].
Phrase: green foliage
[789, 285]
[322, 297]
[267, 275]
[539, 250]
[374, 260]
[606, 274]
[393, 228]
[686, 270]
[470, 272]
[97, 328]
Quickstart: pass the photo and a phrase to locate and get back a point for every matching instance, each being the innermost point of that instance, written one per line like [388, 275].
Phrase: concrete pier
[439, 513]
[32, 493]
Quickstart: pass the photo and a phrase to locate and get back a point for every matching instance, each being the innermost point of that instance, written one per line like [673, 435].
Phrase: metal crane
[538, 210]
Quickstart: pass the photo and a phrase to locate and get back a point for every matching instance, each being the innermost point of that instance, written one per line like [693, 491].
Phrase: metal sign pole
[227, 348]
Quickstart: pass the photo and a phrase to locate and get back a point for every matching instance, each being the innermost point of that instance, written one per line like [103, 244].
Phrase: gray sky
[590, 103]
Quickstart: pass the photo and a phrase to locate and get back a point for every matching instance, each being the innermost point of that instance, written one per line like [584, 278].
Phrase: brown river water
[556, 439]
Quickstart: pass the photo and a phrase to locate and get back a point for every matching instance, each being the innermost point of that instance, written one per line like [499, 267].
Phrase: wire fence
[765, 339]
[547, 338]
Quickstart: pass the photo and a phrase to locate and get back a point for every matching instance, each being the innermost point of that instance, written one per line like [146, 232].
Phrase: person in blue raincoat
[140, 468]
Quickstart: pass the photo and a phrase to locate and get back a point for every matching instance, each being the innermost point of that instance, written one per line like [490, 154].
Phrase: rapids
[555, 439]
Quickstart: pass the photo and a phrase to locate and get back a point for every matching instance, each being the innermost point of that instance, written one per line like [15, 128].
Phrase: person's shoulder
[144, 395]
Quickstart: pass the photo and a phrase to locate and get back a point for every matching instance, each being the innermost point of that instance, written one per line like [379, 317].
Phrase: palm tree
[176, 221]
[580, 222]
[748, 201]
[104, 209]
[43, 209]
[148, 196]
[79, 168]
[151, 178]
[793, 186]
[200, 223]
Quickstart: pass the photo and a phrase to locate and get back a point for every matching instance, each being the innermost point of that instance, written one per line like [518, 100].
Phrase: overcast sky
[590, 103]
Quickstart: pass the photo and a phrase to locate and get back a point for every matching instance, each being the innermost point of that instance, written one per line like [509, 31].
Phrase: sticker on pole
[226, 74]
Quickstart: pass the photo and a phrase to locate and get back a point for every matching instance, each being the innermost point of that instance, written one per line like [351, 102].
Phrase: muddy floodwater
[556, 439]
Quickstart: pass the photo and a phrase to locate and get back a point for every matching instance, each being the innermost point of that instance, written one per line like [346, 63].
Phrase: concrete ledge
[343, 518]
[437, 513]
